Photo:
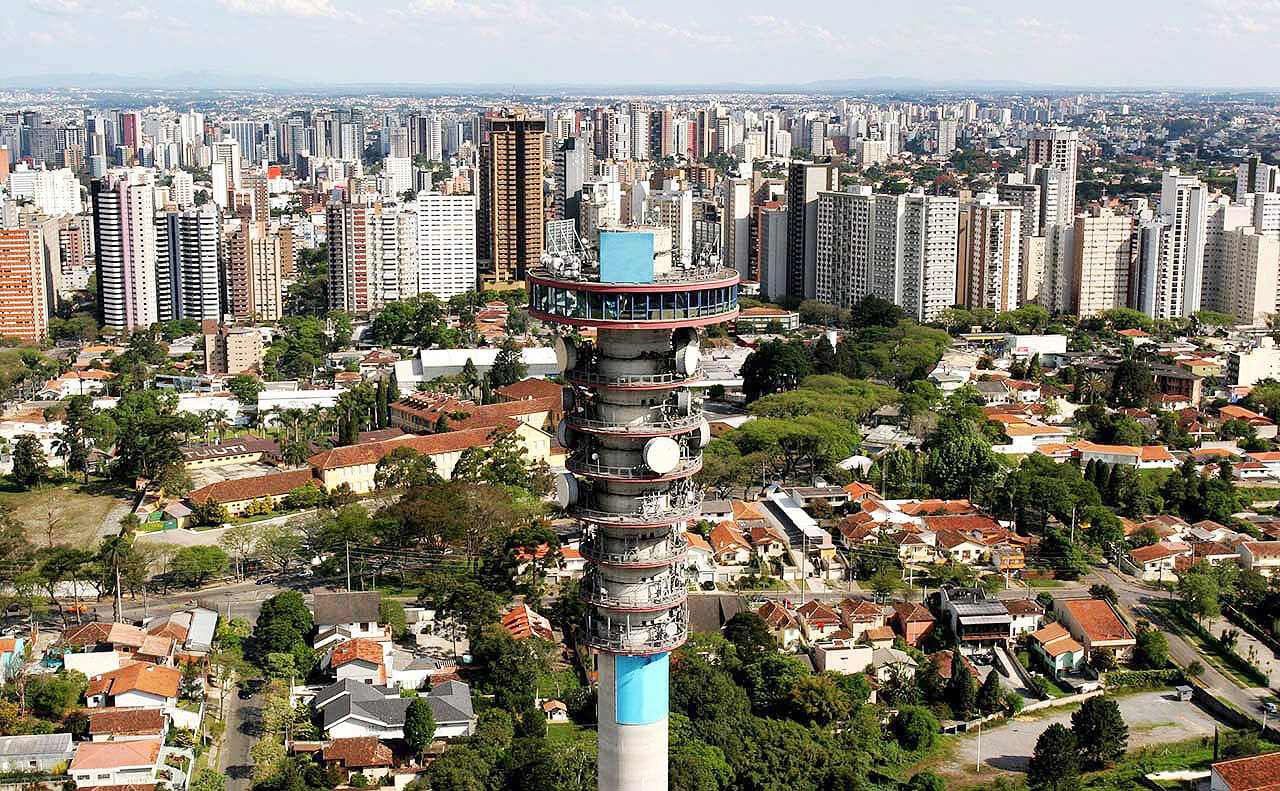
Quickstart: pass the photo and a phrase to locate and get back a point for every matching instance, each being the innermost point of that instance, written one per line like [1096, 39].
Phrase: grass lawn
[564, 733]
[76, 505]
[1213, 654]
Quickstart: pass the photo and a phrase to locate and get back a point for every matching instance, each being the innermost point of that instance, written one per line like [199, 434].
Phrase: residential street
[243, 727]
[1135, 600]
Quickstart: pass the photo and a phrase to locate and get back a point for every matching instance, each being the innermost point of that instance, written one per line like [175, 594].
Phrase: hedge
[1144, 679]
[1245, 622]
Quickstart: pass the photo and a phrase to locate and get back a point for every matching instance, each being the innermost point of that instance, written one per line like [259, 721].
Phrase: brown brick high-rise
[509, 227]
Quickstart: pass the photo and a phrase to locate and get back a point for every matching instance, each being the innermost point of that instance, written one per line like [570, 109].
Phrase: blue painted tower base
[633, 702]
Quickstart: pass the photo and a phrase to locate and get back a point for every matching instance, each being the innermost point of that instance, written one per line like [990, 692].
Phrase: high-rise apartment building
[1102, 258]
[805, 180]
[735, 250]
[125, 238]
[231, 350]
[353, 252]
[510, 209]
[901, 248]
[1255, 176]
[989, 248]
[24, 306]
[674, 209]
[773, 251]
[187, 273]
[571, 171]
[225, 172]
[446, 244]
[253, 253]
[1054, 148]
[1171, 252]
[1250, 265]
[946, 136]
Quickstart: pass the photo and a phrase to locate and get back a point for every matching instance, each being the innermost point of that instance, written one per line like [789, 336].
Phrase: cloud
[55, 6]
[623, 17]
[296, 8]
[967, 10]
[800, 31]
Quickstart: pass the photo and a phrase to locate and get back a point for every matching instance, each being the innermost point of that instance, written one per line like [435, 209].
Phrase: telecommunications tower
[635, 435]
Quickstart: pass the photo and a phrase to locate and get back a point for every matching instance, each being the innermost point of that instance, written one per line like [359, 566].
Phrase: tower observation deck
[635, 434]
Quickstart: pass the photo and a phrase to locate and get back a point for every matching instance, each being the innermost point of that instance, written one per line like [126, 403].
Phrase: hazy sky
[1090, 42]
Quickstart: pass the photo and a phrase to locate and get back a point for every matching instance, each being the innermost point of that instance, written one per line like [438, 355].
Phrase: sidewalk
[1249, 647]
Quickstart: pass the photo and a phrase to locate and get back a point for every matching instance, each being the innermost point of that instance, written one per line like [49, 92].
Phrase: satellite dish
[687, 358]
[661, 454]
[566, 354]
[567, 399]
[684, 402]
[683, 337]
[704, 433]
[566, 490]
[564, 434]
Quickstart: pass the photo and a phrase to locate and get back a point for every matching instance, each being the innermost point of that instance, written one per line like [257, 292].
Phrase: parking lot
[1153, 718]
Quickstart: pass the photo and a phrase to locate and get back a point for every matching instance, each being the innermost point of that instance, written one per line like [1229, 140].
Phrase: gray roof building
[332, 609]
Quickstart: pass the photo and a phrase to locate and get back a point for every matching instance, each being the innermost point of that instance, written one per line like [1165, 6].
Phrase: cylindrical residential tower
[635, 436]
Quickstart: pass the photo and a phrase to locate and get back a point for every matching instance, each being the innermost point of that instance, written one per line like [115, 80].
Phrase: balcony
[587, 376]
[665, 423]
[662, 593]
[636, 554]
[680, 503]
[616, 637]
[581, 463]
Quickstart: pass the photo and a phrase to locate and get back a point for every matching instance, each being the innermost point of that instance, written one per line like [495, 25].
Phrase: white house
[141, 685]
[842, 656]
[1261, 556]
[347, 616]
[42, 752]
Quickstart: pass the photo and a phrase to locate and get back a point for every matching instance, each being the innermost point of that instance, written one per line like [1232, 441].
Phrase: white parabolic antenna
[684, 402]
[562, 433]
[566, 354]
[566, 490]
[661, 454]
[704, 433]
[687, 358]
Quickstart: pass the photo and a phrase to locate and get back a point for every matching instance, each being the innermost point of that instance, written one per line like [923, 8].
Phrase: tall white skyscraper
[446, 244]
[674, 207]
[196, 244]
[224, 171]
[1172, 245]
[991, 241]
[1255, 176]
[946, 136]
[124, 225]
[735, 250]
[901, 248]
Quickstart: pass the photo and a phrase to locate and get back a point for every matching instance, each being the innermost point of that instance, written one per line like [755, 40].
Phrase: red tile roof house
[1095, 624]
[817, 619]
[360, 659]
[1158, 561]
[141, 685]
[1261, 556]
[133, 764]
[785, 628]
[121, 637]
[126, 725]
[1255, 773]
[912, 621]
[363, 755]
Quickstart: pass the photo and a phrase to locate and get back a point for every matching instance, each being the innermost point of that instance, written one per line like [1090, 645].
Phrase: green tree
[29, 464]
[750, 635]
[1100, 732]
[1151, 650]
[818, 699]
[960, 462]
[245, 387]
[774, 367]
[1198, 591]
[419, 726]
[208, 780]
[73, 443]
[391, 613]
[989, 694]
[1055, 764]
[698, 766]
[1132, 384]
[961, 691]
[915, 728]
[508, 367]
[194, 565]
[283, 622]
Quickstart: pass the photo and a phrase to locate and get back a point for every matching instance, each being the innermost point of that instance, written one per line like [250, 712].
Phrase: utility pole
[977, 761]
[348, 543]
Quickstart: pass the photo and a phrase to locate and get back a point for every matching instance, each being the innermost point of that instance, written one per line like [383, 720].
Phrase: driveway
[1152, 717]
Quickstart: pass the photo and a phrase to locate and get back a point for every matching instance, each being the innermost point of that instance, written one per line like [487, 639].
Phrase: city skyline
[510, 44]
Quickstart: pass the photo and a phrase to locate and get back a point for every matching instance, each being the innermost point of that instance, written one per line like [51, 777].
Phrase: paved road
[1152, 717]
[1136, 600]
[244, 725]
